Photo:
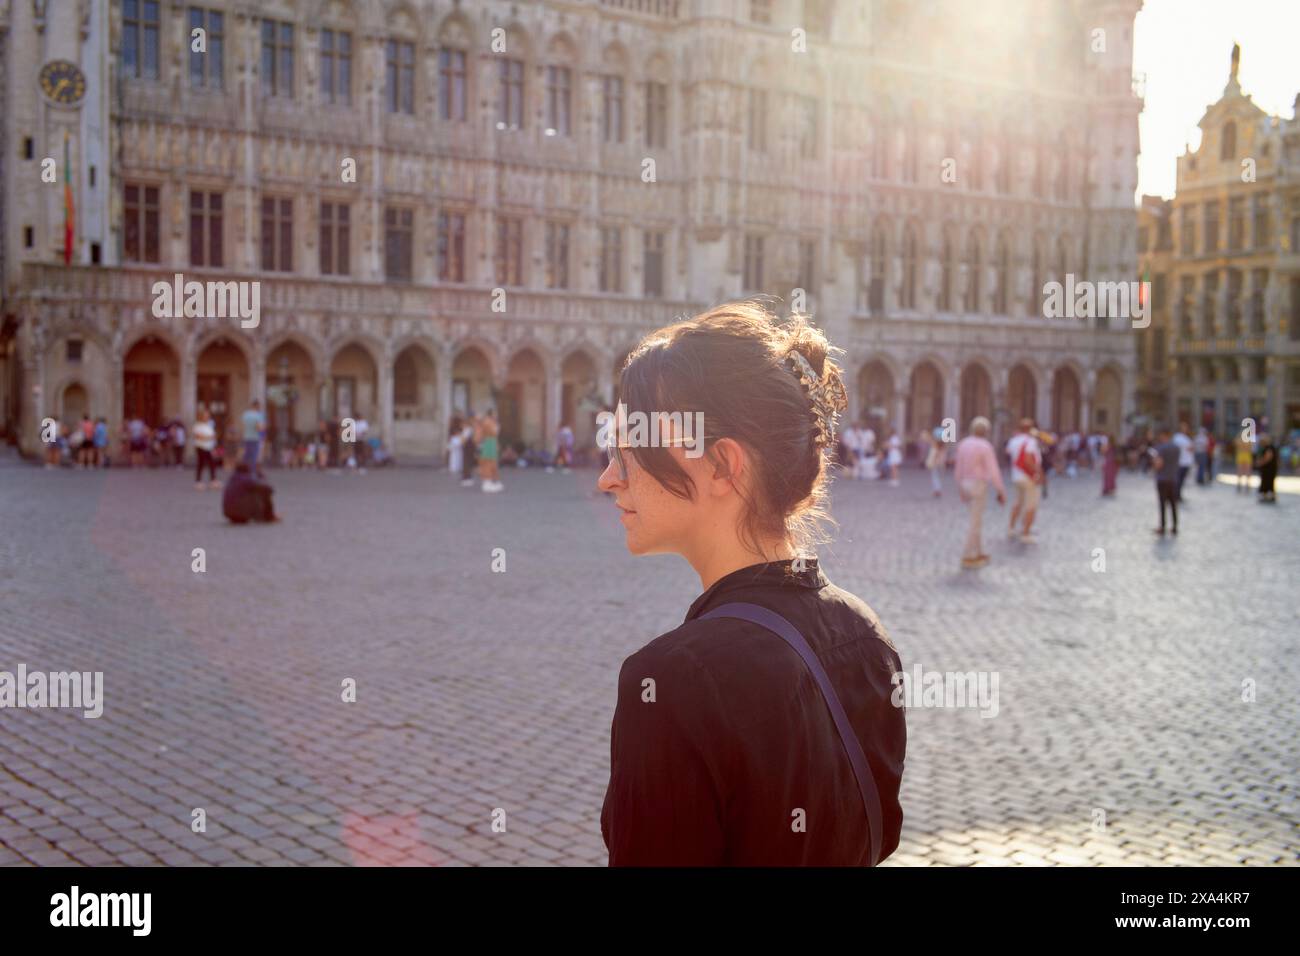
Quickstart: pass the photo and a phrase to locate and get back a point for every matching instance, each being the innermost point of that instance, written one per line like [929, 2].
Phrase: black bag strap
[783, 629]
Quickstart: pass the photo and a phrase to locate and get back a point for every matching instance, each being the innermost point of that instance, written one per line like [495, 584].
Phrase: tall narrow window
[611, 259]
[879, 258]
[1237, 223]
[451, 247]
[140, 208]
[277, 234]
[652, 265]
[807, 113]
[808, 265]
[1037, 281]
[1259, 286]
[880, 150]
[611, 115]
[946, 269]
[399, 242]
[1002, 298]
[277, 58]
[336, 67]
[760, 11]
[1261, 238]
[207, 69]
[1187, 239]
[971, 300]
[451, 84]
[557, 255]
[753, 265]
[510, 251]
[140, 38]
[206, 247]
[758, 120]
[510, 103]
[909, 269]
[558, 100]
[399, 76]
[1228, 145]
[1212, 226]
[335, 239]
[656, 114]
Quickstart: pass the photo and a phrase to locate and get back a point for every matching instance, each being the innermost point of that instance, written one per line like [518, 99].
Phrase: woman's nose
[609, 478]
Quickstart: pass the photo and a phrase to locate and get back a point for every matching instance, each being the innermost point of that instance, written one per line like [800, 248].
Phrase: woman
[1245, 463]
[485, 438]
[1110, 465]
[936, 459]
[895, 457]
[724, 747]
[1266, 465]
[205, 441]
[455, 446]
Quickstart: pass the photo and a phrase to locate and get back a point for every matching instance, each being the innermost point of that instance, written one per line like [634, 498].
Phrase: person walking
[486, 441]
[205, 443]
[782, 739]
[100, 441]
[975, 469]
[1245, 458]
[1201, 452]
[1165, 456]
[455, 446]
[936, 460]
[1186, 455]
[1266, 464]
[254, 425]
[895, 456]
[1109, 465]
[1026, 476]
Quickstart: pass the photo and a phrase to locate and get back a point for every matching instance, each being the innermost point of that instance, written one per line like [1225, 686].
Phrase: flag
[1142, 288]
[69, 216]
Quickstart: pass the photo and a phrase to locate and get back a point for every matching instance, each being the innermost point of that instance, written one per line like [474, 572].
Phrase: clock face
[63, 82]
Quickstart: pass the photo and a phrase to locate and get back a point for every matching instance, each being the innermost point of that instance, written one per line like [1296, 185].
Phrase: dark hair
[733, 363]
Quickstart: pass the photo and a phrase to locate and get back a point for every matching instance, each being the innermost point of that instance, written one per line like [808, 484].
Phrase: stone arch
[223, 379]
[581, 395]
[473, 377]
[1107, 404]
[615, 58]
[456, 30]
[353, 379]
[877, 391]
[976, 393]
[522, 402]
[1022, 392]
[291, 361]
[203, 339]
[1067, 399]
[151, 377]
[72, 398]
[308, 345]
[925, 397]
[137, 333]
[415, 398]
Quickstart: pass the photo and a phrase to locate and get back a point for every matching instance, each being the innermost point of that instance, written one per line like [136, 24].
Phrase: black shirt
[739, 738]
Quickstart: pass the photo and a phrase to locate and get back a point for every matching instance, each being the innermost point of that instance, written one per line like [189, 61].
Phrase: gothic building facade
[1224, 257]
[450, 204]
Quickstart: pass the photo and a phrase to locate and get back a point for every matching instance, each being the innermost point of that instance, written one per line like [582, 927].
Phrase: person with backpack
[767, 729]
[1026, 477]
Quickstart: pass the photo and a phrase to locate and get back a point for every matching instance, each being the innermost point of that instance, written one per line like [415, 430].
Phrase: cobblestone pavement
[1120, 694]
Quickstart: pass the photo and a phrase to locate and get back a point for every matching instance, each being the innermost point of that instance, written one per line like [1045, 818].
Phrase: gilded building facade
[1231, 275]
[537, 184]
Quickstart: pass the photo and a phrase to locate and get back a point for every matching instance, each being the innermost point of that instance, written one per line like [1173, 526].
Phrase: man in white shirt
[1026, 474]
[1186, 455]
[868, 459]
[853, 446]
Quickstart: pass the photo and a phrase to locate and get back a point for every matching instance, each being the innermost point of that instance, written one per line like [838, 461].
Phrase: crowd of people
[474, 443]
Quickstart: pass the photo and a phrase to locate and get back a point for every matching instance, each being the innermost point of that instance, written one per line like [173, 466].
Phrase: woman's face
[656, 520]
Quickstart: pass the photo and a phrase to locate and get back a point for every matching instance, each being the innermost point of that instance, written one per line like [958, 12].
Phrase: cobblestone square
[1121, 691]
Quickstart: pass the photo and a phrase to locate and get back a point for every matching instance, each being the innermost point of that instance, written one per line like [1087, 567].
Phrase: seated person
[246, 498]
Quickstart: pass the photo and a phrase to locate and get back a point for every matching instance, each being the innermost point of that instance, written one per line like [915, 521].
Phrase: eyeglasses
[614, 451]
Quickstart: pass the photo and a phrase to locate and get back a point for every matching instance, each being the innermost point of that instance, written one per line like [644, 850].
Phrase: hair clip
[827, 396]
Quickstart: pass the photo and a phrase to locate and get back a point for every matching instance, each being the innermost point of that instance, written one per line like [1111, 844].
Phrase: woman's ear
[729, 463]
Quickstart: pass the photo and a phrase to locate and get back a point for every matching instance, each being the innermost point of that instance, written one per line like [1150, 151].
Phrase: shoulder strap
[783, 629]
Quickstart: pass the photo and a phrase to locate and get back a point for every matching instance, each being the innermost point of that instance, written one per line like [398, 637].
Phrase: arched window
[406, 380]
[1002, 299]
[1228, 145]
[909, 268]
[947, 266]
[972, 298]
[876, 295]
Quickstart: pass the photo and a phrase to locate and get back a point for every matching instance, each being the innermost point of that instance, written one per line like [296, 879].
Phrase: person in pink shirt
[977, 468]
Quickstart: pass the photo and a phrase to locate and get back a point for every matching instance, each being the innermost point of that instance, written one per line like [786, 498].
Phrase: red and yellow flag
[69, 214]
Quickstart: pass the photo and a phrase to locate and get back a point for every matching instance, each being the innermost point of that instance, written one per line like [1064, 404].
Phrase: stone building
[1234, 280]
[1156, 259]
[537, 184]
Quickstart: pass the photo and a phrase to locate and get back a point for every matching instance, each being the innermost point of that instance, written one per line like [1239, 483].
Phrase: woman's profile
[761, 731]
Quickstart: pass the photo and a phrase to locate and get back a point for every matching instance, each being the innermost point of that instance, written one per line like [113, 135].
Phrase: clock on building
[63, 82]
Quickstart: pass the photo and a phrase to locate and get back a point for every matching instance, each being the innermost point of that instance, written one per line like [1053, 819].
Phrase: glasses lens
[615, 454]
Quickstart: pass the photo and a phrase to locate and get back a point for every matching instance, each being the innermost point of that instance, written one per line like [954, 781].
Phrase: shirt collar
[773, 574]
